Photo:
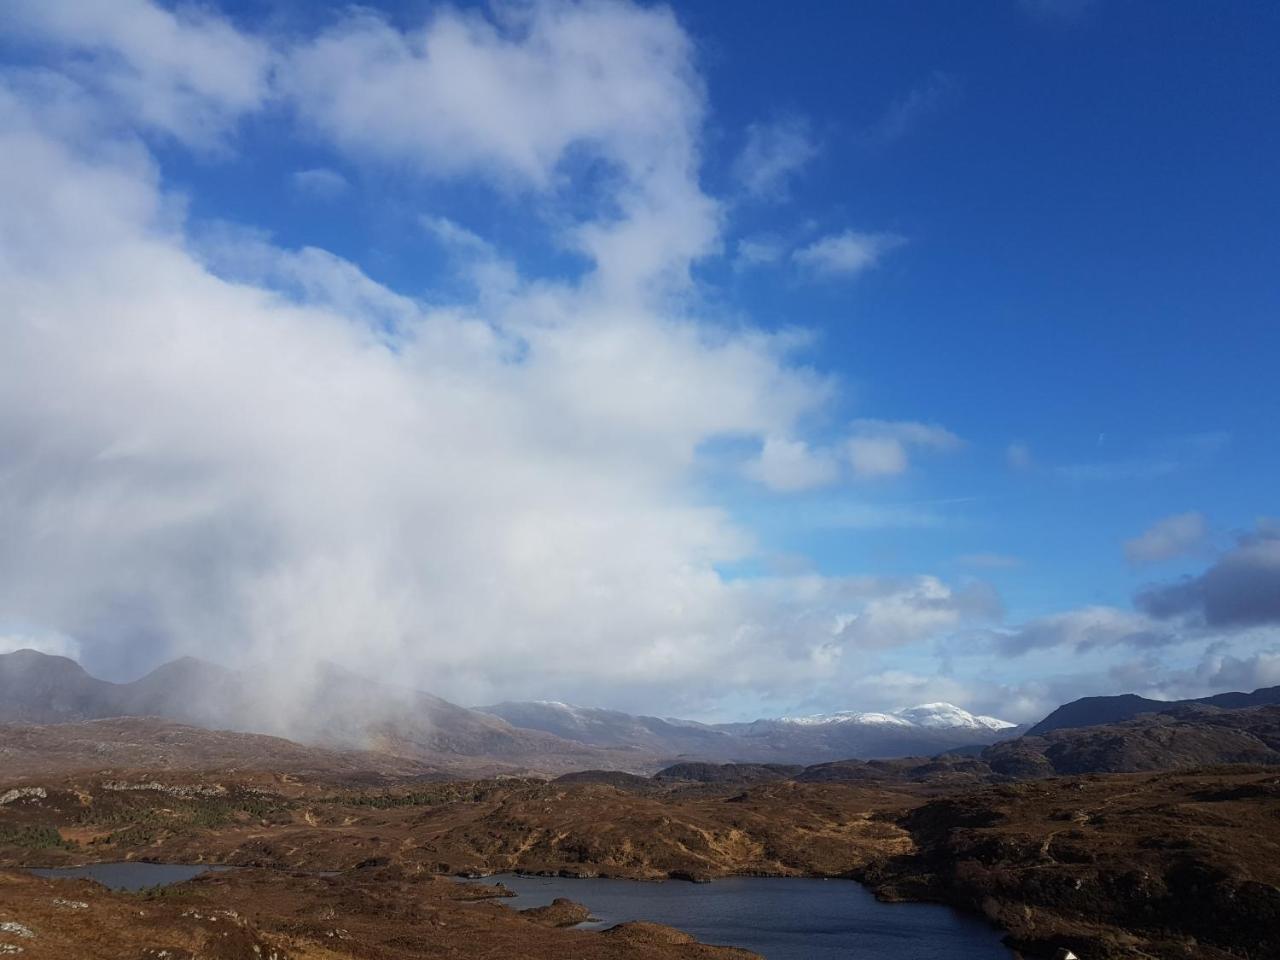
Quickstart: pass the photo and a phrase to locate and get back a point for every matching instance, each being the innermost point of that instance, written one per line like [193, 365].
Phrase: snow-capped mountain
[923, 730]
[932, 716]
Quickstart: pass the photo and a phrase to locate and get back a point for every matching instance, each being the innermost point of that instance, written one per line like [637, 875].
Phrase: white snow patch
[933, 716]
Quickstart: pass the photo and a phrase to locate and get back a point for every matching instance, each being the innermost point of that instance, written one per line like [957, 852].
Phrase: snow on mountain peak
[935, 716]
[944, 715]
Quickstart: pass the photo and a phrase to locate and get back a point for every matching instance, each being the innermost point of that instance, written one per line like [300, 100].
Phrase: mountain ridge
[328, 706]
[1093, 711]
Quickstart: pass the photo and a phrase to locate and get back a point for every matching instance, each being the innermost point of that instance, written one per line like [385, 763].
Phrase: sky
[690, 360]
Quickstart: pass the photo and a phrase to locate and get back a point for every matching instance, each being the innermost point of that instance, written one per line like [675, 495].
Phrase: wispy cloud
[846, 254]
[905, 114]
[1152, 459]
[773, 154]
[1167, 538]
[758, 251]
[1018, 457]
[320, 182]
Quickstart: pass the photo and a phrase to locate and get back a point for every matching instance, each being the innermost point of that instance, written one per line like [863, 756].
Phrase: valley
[1157, 836]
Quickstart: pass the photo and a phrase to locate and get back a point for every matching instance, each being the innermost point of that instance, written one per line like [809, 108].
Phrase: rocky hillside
[1091, 711]
[1191, 737]
[326, 707]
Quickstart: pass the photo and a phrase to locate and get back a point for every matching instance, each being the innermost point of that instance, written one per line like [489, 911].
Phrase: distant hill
[327, 707]
[922, 730]
[1091, 711]
[1196, 735]
[150, 745]
[1199, 736]
[917, 731]
[613, 728]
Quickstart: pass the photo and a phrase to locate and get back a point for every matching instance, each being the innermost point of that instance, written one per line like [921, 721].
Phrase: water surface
[781, 919]
[132, 874]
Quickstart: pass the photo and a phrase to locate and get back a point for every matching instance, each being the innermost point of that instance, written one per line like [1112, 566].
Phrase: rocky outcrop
[560, 912]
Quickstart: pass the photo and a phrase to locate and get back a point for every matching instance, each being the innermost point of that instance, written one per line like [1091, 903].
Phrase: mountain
[922, 730]
[810, 740]
[38, 688]
[1197, 735]
[326, 706]
[330, 707]
[135, 744]
[931, 716]
[1091, 711]
[613, 728]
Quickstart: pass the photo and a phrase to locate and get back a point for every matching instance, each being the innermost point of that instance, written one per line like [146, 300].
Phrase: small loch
[132, 875]
[781, 919]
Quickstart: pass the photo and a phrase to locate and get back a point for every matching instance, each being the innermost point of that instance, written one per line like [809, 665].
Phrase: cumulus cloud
[1240, 589]
[774, 152]
[1167, 538]
[1220, 670]
[217, 445]
[846, 254]
[512, 97]
[188, 73]
[881, 448]
[921, 608]
[789, 465]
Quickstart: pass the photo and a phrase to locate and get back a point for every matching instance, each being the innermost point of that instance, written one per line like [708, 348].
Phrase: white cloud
[846, 254]
[490, 274]
[758, 251]
[789, 465]
[320, 182]
[513, 97]
[922, 608]
[880, 448]
[774, 152]
[1165, 539]
[1219, 670]
[187, 73]
[256, 453]
[877, 456]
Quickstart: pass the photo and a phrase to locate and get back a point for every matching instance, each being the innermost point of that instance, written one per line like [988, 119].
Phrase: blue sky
[889, 350]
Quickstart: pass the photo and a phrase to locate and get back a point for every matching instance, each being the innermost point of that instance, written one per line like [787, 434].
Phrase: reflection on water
[781, 919]
[132, 875]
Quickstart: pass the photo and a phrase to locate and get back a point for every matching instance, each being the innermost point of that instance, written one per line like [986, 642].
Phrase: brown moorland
[1175, 864]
